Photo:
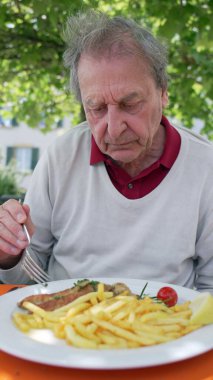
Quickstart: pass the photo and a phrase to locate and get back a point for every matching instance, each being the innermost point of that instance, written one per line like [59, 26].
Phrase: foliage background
[9, 181]
[33, 81]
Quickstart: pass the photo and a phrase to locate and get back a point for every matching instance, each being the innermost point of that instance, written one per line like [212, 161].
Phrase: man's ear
[165, 98]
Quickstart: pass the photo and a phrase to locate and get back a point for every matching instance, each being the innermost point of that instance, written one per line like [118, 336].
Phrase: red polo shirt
[149, 178]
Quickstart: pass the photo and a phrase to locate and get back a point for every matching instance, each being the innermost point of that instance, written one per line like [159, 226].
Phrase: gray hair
[96, 34]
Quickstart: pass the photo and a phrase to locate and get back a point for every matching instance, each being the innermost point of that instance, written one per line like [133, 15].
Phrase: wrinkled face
[123, 106]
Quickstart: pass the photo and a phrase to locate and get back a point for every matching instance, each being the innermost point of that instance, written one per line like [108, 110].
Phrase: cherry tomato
[168, 296]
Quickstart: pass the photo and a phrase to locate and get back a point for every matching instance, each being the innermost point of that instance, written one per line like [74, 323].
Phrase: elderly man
[124, 194]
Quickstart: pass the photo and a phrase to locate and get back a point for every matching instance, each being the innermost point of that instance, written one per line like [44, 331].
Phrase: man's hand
[13, 240]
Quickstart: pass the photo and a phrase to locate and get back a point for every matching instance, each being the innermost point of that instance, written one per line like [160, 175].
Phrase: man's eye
[132, 108]
[98, 111]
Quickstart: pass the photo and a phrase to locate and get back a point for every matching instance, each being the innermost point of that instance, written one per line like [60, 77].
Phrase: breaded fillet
[52, 301]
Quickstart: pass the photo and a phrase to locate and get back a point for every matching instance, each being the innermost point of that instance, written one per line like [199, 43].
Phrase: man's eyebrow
[126, 98]
[91, 102]
[129, 97]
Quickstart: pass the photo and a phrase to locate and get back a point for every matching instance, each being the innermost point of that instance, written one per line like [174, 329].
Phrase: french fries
[99, 320]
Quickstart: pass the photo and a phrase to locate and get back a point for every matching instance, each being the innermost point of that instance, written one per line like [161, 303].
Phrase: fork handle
[24, 227]
[26, 232]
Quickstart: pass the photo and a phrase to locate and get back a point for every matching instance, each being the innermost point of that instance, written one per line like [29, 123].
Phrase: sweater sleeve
[38, 199]
[204, 244]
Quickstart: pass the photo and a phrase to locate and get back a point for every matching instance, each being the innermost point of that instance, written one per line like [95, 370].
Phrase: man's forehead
[118, 80]
[94, 99]
[104, 61]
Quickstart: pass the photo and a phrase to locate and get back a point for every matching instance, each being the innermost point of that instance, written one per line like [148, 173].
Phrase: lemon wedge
[202, 309]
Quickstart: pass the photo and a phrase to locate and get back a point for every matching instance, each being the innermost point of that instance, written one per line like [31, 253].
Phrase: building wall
[22, 136]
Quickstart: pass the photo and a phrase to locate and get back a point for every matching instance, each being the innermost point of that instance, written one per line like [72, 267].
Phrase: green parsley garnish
[143, 295]
[82, 283]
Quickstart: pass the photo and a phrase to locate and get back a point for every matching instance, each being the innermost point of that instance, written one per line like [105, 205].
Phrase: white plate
[43, 348]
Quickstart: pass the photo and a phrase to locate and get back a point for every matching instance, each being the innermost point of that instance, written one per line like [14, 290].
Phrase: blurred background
[35, 103]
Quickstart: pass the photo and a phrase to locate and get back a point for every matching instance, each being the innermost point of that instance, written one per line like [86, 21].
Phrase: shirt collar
[96, 155]
[172, 145]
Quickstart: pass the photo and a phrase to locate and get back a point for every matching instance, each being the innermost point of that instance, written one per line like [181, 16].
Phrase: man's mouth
[119, 144]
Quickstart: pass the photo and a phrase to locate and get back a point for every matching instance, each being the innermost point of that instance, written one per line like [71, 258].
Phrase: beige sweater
[86, 228]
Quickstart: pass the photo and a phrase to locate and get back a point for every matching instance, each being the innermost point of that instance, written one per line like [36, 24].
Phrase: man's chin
[122, 157]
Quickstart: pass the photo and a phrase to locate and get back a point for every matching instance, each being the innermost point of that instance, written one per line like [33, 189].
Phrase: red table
[197, 368]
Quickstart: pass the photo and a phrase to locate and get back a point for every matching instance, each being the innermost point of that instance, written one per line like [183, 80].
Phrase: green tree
[34, 84]
[9, 181]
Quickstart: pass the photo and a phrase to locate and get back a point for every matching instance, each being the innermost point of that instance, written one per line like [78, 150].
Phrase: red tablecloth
[197, 368]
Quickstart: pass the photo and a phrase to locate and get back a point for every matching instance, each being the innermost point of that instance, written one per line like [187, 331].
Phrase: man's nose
[115, 122]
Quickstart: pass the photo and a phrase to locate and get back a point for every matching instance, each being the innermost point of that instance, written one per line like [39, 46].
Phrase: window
[8, 123]
[26, 158]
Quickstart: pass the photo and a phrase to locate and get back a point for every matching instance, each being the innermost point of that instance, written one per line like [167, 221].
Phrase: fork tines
[34, 271]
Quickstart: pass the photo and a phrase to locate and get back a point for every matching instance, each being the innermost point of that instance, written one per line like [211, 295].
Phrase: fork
[34, 271]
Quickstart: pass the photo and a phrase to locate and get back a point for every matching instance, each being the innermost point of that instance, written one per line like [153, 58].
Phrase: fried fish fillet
[53, 301]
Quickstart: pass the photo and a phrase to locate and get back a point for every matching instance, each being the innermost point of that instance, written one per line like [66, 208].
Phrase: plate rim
[75, 357]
